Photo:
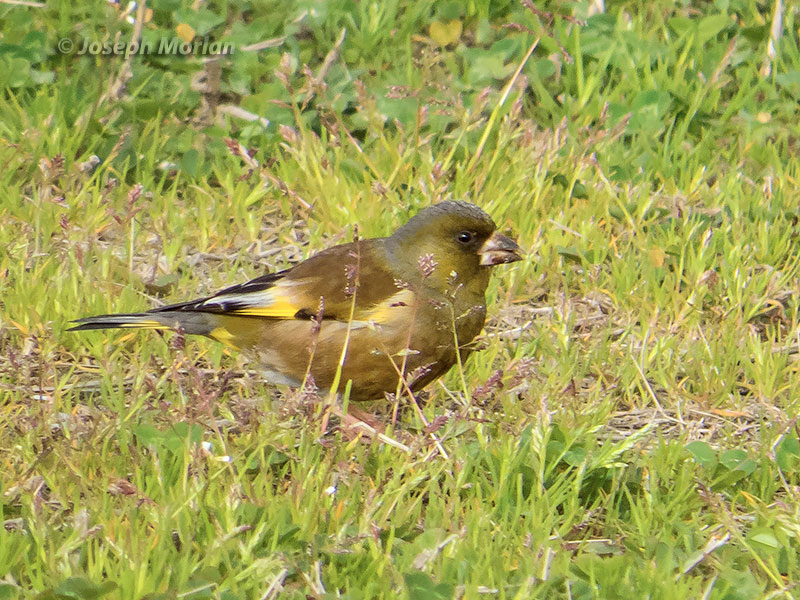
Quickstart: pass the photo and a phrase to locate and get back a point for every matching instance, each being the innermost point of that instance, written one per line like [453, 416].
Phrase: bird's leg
[357, 422]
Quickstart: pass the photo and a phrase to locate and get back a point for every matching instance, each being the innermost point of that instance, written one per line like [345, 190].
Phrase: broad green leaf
[420, 586]
[732, 459]
[703, 453]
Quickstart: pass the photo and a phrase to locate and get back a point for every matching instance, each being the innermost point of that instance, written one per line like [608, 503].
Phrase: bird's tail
[125, 321]
[176, 318]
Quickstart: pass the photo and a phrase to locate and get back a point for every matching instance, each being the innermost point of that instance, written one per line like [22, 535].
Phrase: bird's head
[452, 237]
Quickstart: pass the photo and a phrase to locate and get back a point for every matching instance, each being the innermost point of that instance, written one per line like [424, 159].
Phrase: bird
[375, 316]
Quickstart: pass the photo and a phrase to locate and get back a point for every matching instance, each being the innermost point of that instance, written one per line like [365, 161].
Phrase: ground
[629, 428]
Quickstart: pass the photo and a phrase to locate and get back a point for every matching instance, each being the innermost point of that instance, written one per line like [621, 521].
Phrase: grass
[631, 429]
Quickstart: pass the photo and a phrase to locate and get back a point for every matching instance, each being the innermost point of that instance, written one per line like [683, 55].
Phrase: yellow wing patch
[280, 309]
[285, 301]
[278, 302]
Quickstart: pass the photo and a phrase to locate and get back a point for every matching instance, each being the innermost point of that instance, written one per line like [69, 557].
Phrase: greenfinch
[386, 314]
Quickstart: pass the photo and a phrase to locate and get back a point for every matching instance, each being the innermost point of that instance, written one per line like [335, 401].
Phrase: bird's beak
[499, 249]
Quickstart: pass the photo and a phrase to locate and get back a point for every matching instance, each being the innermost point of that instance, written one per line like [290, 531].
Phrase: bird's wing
[368, 290]
[270, 296]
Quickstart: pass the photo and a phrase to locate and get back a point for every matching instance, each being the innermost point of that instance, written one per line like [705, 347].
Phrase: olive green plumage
[398, 303]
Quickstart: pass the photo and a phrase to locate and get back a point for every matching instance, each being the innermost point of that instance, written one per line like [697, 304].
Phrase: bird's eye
[465, 237]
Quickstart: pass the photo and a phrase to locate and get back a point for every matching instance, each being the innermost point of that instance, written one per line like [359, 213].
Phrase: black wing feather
[258, 284]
